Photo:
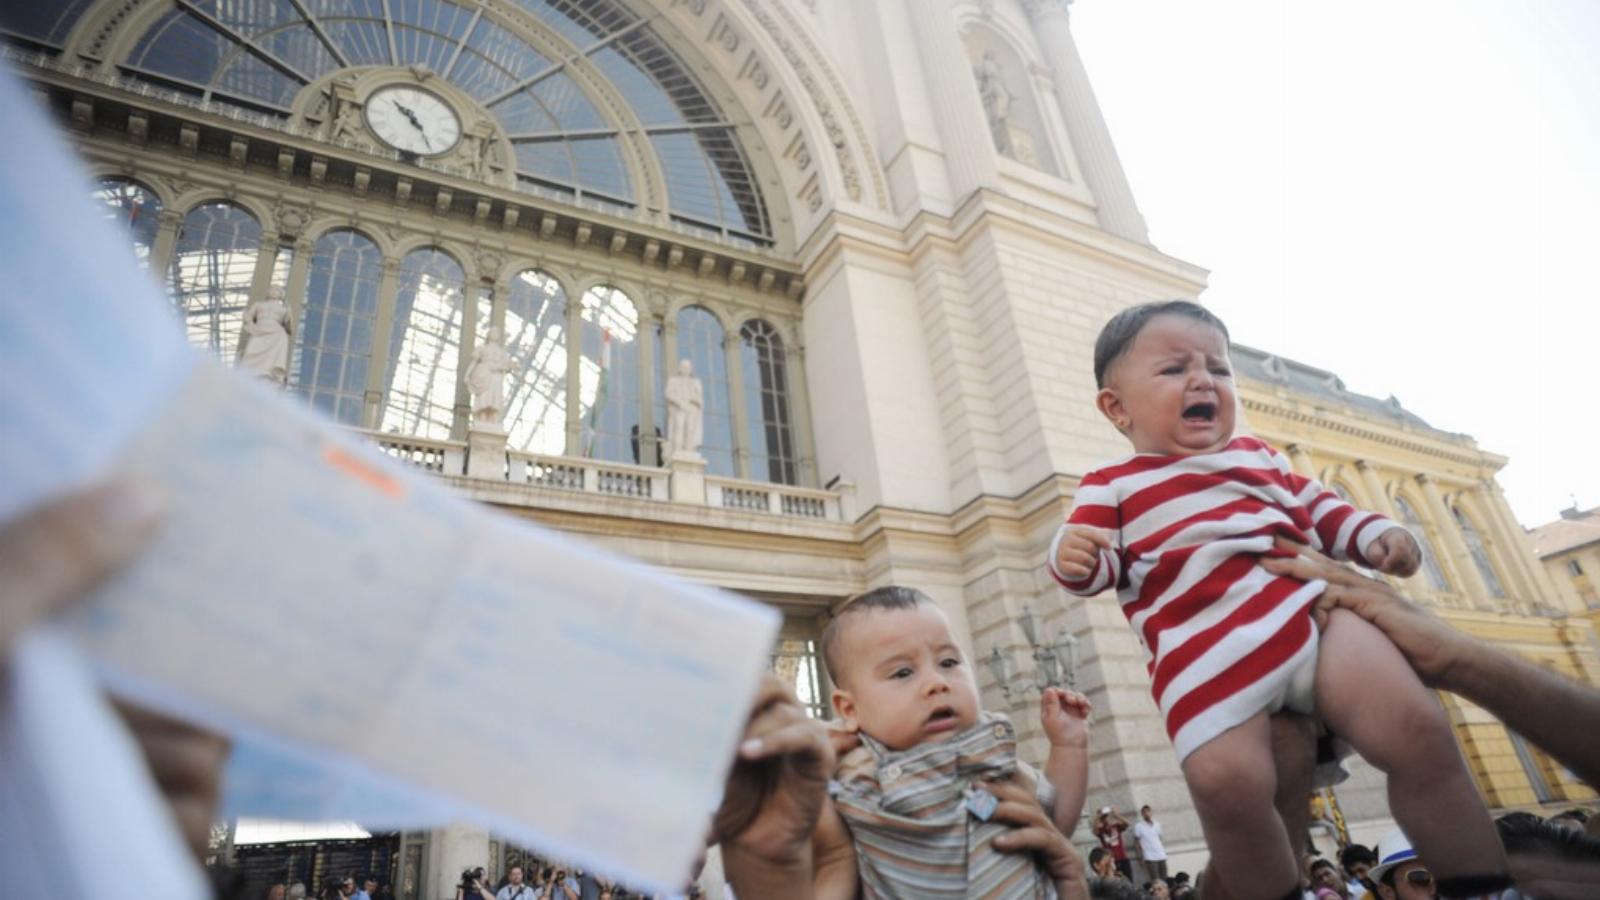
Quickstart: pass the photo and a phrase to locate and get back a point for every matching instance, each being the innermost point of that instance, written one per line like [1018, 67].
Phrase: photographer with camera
[472, 885]
[516, 887]
[557, 884]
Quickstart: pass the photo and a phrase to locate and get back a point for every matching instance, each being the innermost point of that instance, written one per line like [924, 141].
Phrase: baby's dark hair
[891, 597]
[1118, 334]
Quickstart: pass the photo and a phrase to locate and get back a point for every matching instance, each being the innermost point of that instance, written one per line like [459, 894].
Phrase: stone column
[574, 378]
[299, 274]
[1546, 592]
[739, 418]
[1471, 583]
[1091, 140]
[451, 850]
[1379, 497]
[1517, 561]
[669, 364]
[461, 415]
[969, 152]
[1300, 461]
[383, 324]
[799, 400]
[650, 371]
[167, 222]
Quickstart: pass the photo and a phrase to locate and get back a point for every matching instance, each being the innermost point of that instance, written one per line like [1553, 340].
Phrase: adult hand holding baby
[1430, 645]
[1033, 832]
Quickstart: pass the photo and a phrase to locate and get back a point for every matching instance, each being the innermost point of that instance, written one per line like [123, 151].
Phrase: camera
[469, 877]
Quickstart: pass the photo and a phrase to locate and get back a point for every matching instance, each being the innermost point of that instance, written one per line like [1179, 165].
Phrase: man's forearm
[1556, 713]
[1067, 768]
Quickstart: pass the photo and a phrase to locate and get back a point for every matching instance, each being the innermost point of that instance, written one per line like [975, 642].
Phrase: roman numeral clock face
[412, 120]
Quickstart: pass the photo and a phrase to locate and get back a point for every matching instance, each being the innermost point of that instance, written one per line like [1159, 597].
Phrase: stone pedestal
[486, 452]
[687, 477]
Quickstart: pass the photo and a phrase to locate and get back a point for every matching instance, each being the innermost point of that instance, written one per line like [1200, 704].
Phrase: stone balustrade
[595, 476]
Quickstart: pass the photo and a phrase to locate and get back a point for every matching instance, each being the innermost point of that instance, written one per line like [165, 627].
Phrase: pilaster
[1467, 577]
[167, 223]
[1091, 140]
[382, 326]
[958, 110]
[1380, 497]
[739, 419]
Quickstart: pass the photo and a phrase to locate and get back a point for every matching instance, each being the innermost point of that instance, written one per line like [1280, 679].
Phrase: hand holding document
[560, 696]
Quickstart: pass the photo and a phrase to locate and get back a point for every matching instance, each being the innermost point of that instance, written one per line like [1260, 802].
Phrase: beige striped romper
[913, 833]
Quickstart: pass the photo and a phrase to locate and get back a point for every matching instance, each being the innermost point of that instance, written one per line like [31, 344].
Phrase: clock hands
[412, 117]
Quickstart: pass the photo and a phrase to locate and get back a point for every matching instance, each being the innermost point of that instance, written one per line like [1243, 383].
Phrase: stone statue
[343, 125]
[996, 99]
[486, 379]
[685, 412]
[264, 350]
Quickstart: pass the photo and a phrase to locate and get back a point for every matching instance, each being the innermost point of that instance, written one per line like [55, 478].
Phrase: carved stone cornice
[336, 168]
[1467, 458]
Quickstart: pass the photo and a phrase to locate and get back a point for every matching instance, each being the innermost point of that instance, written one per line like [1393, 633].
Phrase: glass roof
[260, 53]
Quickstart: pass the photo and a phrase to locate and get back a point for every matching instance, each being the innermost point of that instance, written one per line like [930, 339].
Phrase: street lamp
[1055, 663]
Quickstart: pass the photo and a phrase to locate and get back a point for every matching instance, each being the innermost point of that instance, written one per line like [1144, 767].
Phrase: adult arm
[1558, 714]
[774, 798]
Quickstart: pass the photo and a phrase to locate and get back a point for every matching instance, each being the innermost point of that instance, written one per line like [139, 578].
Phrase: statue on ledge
[685, 412]
[486, 379]
[264, 349]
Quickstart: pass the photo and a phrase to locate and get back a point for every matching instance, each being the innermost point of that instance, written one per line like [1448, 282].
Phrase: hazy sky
[1405, 192]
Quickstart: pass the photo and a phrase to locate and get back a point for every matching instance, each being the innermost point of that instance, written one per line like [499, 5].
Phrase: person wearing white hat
[1399, 875]
[1108, 828]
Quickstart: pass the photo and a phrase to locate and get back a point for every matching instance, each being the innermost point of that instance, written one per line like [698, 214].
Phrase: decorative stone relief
[291, 219]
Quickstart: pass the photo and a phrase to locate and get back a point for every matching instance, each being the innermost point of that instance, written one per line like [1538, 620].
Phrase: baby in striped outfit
[911, 796]
[1179, 529]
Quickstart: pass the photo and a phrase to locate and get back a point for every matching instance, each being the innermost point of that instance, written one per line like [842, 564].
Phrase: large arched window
[424, 345]
[213, 264]
[1479, 553]
[333, 345]
[133, 206]
[608, 376]
[536, 337]
[700, 338]
[770, 437]
[533, 64]
[1430, 561]
[47, 23]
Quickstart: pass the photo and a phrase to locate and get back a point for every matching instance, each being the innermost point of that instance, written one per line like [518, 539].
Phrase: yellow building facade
[1480, 571]
[1569, 549]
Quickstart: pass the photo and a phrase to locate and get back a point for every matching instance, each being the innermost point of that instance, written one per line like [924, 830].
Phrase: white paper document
[382, 649]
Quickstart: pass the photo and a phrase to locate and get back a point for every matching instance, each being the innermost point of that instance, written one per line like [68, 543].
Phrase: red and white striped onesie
[1224, 638]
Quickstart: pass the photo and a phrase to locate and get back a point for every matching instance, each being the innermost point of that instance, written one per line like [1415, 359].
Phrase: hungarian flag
[593, 425]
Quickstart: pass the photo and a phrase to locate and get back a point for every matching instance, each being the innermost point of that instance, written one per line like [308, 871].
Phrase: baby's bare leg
[1370, 697]
[1233, 783]
[1294, 757]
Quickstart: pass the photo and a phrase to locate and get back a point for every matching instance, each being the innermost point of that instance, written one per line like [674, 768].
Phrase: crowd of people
[533, 881]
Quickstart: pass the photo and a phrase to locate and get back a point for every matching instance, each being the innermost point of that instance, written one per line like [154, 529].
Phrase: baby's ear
[844, 707]
[1110, 406]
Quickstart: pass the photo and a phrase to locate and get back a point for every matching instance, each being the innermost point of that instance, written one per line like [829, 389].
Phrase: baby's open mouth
[942, 714]
[1200, 412]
